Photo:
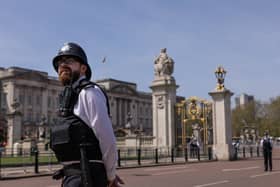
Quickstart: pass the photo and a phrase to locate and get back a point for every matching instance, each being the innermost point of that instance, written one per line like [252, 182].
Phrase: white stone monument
[164, 100]
[222, 128]
[14, 127]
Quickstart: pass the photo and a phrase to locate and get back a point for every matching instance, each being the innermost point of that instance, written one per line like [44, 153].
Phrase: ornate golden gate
[193, 114]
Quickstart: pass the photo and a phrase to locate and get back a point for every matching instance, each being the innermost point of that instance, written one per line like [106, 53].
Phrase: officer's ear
[83, 69]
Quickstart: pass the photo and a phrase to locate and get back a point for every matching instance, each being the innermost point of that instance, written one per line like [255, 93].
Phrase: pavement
[47, 170]
[242, 173]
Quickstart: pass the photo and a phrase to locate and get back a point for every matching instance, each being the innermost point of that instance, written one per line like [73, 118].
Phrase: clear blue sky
[241, 35]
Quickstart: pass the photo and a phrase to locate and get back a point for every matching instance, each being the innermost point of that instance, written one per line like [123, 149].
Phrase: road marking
[211, 184]
[239, 169]
[265, 174]
[173, 172]
[166, 168]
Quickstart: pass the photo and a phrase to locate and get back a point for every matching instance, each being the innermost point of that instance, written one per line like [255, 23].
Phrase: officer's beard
[67, 76]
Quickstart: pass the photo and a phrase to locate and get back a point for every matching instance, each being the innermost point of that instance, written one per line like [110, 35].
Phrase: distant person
[236, 145]
[194, 147]
[266, 143]
[83, 140]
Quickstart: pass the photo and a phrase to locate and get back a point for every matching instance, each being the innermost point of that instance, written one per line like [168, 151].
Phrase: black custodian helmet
[74, 50]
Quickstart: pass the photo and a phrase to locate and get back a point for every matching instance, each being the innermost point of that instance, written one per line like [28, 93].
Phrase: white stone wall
[222, 129]
[164, 100]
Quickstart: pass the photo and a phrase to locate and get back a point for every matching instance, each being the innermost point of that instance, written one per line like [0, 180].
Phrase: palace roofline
[115, 80]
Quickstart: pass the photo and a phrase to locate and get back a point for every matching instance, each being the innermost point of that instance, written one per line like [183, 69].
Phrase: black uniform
[87, 159]
[68, 136]
[267, 153]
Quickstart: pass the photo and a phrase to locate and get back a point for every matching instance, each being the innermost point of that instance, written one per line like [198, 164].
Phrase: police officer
[83, 139]
[266, 143]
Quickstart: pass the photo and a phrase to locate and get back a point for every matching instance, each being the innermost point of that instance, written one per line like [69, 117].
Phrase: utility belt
[75, 169]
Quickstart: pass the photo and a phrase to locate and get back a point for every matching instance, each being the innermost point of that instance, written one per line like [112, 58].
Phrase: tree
[244, 115]
[263, 116]
[273, 117]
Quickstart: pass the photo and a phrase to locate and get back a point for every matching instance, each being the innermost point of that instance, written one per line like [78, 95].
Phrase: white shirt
[91, 107]
[266, 138]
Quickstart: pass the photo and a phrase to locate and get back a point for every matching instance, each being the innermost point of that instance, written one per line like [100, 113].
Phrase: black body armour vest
[70, 132]
[267, 145]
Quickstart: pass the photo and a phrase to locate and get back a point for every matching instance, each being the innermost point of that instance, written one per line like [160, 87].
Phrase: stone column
[222, 128]
[44, 101]
[14, 129]
[119, 110]
[164, 99]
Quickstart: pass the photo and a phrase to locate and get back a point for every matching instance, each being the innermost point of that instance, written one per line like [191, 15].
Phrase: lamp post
[138, 133]
[220, 74]
[140, 136]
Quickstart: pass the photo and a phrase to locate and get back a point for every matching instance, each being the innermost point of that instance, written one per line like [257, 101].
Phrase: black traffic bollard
[46, 146]
[244, 153]
[251, 151]
[198, 153]
[0, 163]
[139, 156]
[119, 157]
[36, 153]
[172, 155]
[156, 155]
[186, 154]
[235, 153]
[258, 151]
[209, 153]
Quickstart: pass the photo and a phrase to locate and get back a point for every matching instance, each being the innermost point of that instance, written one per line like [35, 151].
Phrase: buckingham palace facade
[29, 103]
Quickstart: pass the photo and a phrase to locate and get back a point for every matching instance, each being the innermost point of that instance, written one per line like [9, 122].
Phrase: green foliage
[244, 115]
[23, 160]
[264, 116]
[273, 117]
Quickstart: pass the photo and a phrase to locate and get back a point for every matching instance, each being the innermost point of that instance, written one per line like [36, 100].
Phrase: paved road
[217, 174]
[237, 173]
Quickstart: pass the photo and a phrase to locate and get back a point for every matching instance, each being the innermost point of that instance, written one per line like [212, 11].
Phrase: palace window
[3, 100]
[21, 99]
[38, 100]
[29, 100]
[49, 101]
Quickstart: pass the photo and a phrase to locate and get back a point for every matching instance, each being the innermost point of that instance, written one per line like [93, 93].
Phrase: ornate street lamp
[220, 74]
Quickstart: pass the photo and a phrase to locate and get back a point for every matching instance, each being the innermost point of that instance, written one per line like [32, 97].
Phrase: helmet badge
[65, 48]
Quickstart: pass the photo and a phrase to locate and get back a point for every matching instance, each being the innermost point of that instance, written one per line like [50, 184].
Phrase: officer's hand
[116, 182]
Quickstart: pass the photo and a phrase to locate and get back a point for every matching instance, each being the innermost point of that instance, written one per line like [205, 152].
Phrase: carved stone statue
[15, 105]
[196, 131]
[42, 132]
[163, 64]
[128, 125]
[129, 119]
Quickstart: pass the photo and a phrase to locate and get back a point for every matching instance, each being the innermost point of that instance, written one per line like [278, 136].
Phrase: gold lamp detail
[220, 74]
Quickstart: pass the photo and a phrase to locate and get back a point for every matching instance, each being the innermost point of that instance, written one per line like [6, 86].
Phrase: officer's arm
[261, 143]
